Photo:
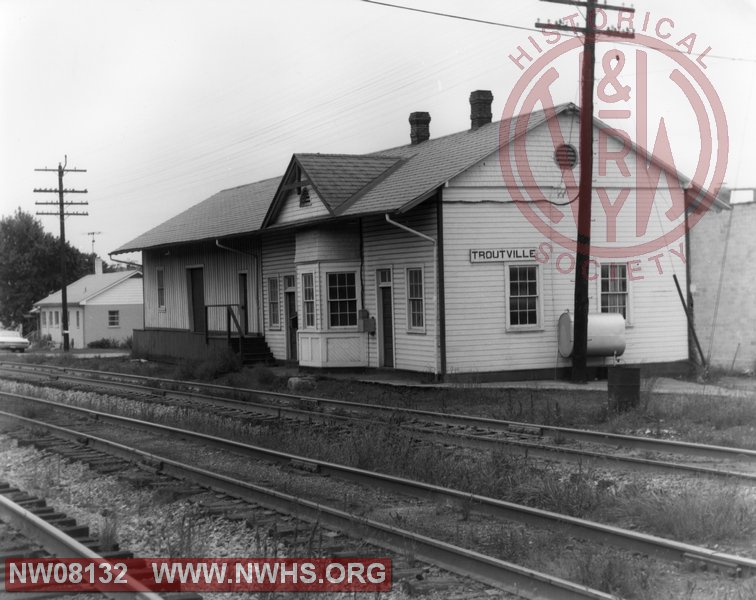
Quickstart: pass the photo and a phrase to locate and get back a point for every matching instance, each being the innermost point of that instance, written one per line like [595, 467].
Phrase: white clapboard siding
[388, 247]
[221, 269]
[278, 252]
[476, 334]
[480, 212]
[291, 212]
[125, 292]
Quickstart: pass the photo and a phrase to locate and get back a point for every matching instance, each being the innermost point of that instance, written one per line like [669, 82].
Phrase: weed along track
[491, 571]
[425, 518]
[587, 448]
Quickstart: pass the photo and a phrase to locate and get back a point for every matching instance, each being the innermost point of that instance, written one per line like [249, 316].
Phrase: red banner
[198, 575]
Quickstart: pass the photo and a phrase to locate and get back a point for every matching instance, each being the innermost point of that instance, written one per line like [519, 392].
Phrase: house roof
[229, 212]
[389, 181]
[87, 287]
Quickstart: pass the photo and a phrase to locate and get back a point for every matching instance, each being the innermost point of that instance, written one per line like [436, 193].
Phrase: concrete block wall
[726, 327]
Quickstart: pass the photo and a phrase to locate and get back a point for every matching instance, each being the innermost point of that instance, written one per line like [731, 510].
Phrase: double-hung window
[523, 301]
[274, 311]
[308, 299]
[114, 318]
[415, 300]
[614, 296]
[342, 299]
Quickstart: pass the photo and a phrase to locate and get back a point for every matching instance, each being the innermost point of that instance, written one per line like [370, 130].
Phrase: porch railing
[231, 318]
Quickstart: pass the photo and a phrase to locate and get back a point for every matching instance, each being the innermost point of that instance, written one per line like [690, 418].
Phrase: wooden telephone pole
[585, 188]
[62, 214]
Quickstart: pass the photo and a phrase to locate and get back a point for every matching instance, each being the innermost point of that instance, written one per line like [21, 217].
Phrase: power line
[571, 31]
[460, 17]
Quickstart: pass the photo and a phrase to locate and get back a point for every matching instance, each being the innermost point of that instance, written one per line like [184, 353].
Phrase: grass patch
[609, 570]
[694, 513]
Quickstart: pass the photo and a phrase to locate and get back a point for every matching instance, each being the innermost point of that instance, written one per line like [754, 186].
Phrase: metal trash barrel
[623, 384]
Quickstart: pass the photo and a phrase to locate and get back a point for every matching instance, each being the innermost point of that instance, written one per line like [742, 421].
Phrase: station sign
[488, 255]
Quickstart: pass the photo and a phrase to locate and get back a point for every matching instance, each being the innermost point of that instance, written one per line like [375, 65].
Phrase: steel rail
[546, 451]
[498, 425]
[630, 540]
[61, 545]
[512, 578]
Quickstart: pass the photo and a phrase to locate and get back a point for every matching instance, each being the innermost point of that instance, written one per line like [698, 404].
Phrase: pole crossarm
[619, 33]
[68, 214]
[57, 191]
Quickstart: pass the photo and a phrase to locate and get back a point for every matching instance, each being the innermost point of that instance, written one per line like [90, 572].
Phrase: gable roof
[388, 181]
[337, 178]
[229, 212]
[87, 287]
[432, 163]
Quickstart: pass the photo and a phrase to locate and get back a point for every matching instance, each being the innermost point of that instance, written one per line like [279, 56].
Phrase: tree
[30, 266]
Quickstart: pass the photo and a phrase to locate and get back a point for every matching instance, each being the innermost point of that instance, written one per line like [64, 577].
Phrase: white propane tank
[606, 334]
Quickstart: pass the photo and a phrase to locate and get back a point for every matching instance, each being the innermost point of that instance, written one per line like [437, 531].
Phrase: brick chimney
[419, 127]
[480, 108]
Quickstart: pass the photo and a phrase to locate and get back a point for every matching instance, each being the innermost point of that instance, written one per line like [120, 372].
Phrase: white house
[447, 256]
[100, 306]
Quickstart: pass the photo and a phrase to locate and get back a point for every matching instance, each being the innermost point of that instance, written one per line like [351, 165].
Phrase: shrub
[220, 363]
[103, 343]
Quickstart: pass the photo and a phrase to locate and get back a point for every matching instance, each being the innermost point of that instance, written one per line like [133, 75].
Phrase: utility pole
[62, 214]
[585, 188]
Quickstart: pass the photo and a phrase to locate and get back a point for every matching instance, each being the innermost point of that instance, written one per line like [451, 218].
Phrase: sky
[166, 102]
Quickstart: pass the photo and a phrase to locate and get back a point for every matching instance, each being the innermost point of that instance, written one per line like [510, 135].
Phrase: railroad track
[597, 532]
[514, 579]
[531, 440]
[31, 529]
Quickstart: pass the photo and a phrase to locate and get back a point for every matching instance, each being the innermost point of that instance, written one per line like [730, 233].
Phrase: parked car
[12, 340]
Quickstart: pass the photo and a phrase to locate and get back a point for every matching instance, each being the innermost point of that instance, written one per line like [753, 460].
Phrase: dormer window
[304, 197]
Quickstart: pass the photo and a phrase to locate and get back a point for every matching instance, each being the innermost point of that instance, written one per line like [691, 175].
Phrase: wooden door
[197, 300]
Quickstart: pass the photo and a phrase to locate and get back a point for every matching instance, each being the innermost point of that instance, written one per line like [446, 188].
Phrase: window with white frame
[57, 318]
[308, 299]
[523, 302]
[44, 318]
[614, 289]
[114, 318]
[274, 306]
[415, 299]
[78, 323]
[342, 299]
[160, 273]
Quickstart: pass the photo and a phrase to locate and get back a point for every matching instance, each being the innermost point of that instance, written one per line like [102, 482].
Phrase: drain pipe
[433, 241]
[258, 279]
[125, 262]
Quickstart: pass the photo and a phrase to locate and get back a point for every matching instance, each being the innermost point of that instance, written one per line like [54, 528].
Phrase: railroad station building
[447, 256]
